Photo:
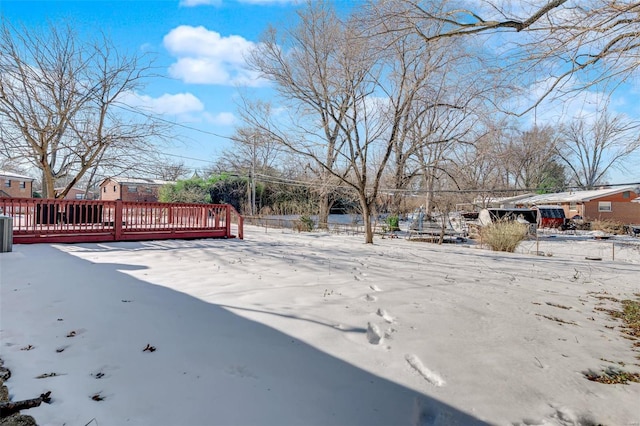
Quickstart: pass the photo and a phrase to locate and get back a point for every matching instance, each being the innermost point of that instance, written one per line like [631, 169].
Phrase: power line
[173, 123]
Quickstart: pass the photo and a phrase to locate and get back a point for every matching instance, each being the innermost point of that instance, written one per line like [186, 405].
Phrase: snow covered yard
[317, 329]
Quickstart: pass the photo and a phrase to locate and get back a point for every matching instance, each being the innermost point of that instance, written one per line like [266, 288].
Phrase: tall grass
[609, 226]
[504, 235]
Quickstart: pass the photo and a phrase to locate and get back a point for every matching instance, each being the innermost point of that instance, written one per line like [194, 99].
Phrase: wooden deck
[37, 220]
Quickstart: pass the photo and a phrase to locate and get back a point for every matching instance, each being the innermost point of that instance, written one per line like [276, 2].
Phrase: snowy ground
[318, 329]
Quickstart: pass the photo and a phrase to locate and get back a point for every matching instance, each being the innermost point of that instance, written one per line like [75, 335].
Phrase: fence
[350, 227]
[38, 220]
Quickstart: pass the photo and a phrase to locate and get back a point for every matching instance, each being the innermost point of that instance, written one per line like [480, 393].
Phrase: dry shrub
[504, 235]
[608, 226]
[304, 224]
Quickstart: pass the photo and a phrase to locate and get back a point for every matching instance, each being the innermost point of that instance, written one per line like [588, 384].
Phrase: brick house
[77, 194]
[619, 204]
[14, 185]
[131, 189]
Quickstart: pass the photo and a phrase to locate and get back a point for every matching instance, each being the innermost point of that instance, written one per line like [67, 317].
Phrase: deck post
[227, 222]
[117, 221]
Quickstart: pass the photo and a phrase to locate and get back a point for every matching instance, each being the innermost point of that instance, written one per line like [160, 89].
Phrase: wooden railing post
[117, 222]
[240, 227]
[227, 222]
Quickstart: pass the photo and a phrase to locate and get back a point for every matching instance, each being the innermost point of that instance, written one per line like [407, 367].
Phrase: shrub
[504, 235]
[304, 224]
[608, 226]
[393, 223]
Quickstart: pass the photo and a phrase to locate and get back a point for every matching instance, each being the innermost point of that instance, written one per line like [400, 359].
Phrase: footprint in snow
[374, 336]
[370, 298]
[430, 376]
[385, 315]
[374, 288]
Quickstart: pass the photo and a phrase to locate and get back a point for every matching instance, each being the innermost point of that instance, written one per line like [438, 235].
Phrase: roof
[507, 200]
[575, 196]
[137, 181]
[74, 188]
[14, 176]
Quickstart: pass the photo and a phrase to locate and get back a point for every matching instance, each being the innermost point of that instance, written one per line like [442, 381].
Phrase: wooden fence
[37, 220]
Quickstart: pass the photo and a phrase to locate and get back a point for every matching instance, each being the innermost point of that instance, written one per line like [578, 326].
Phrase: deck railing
[53, 220]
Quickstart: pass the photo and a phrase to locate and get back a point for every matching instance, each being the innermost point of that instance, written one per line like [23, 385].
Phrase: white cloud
[221, 119]
[177, 104]
[571, 101]
[206, 57]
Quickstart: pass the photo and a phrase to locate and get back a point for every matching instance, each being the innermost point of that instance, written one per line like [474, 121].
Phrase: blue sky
[198, 45]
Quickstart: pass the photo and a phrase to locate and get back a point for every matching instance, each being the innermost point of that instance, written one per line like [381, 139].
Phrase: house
[619, 204]
[77, 194]
[131, 189]
[15, 185]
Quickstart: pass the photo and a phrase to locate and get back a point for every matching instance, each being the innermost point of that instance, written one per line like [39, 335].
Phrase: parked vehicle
[521, 215]
[551, 217]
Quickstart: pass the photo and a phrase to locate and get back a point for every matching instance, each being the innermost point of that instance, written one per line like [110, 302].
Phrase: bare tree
[574, 44]
[172, 170]
[307, 64]
[60, 104]
[591, 150]
[437, 95]
[253, 154]
[251, 148]
[530, 158]
[10, 165]
[477, 168]
[346, 99]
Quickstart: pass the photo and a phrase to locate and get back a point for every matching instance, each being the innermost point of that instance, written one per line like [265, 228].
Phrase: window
[79, 196]
[604, 206]
[23, 184]
[114, 188]
[626, 194]
[104, 189]
[132, 188]
[7, 183]
[573, 207]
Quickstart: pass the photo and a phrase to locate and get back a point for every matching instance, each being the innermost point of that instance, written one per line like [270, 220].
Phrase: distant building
[131, 189]
[15, 185]
[618, 204]
[77, 194]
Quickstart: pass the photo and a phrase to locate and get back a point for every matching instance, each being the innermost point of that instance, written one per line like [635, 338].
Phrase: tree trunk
[48, 187]
[365, 206]
[325, 207]
[429, 199]
[396, 200]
